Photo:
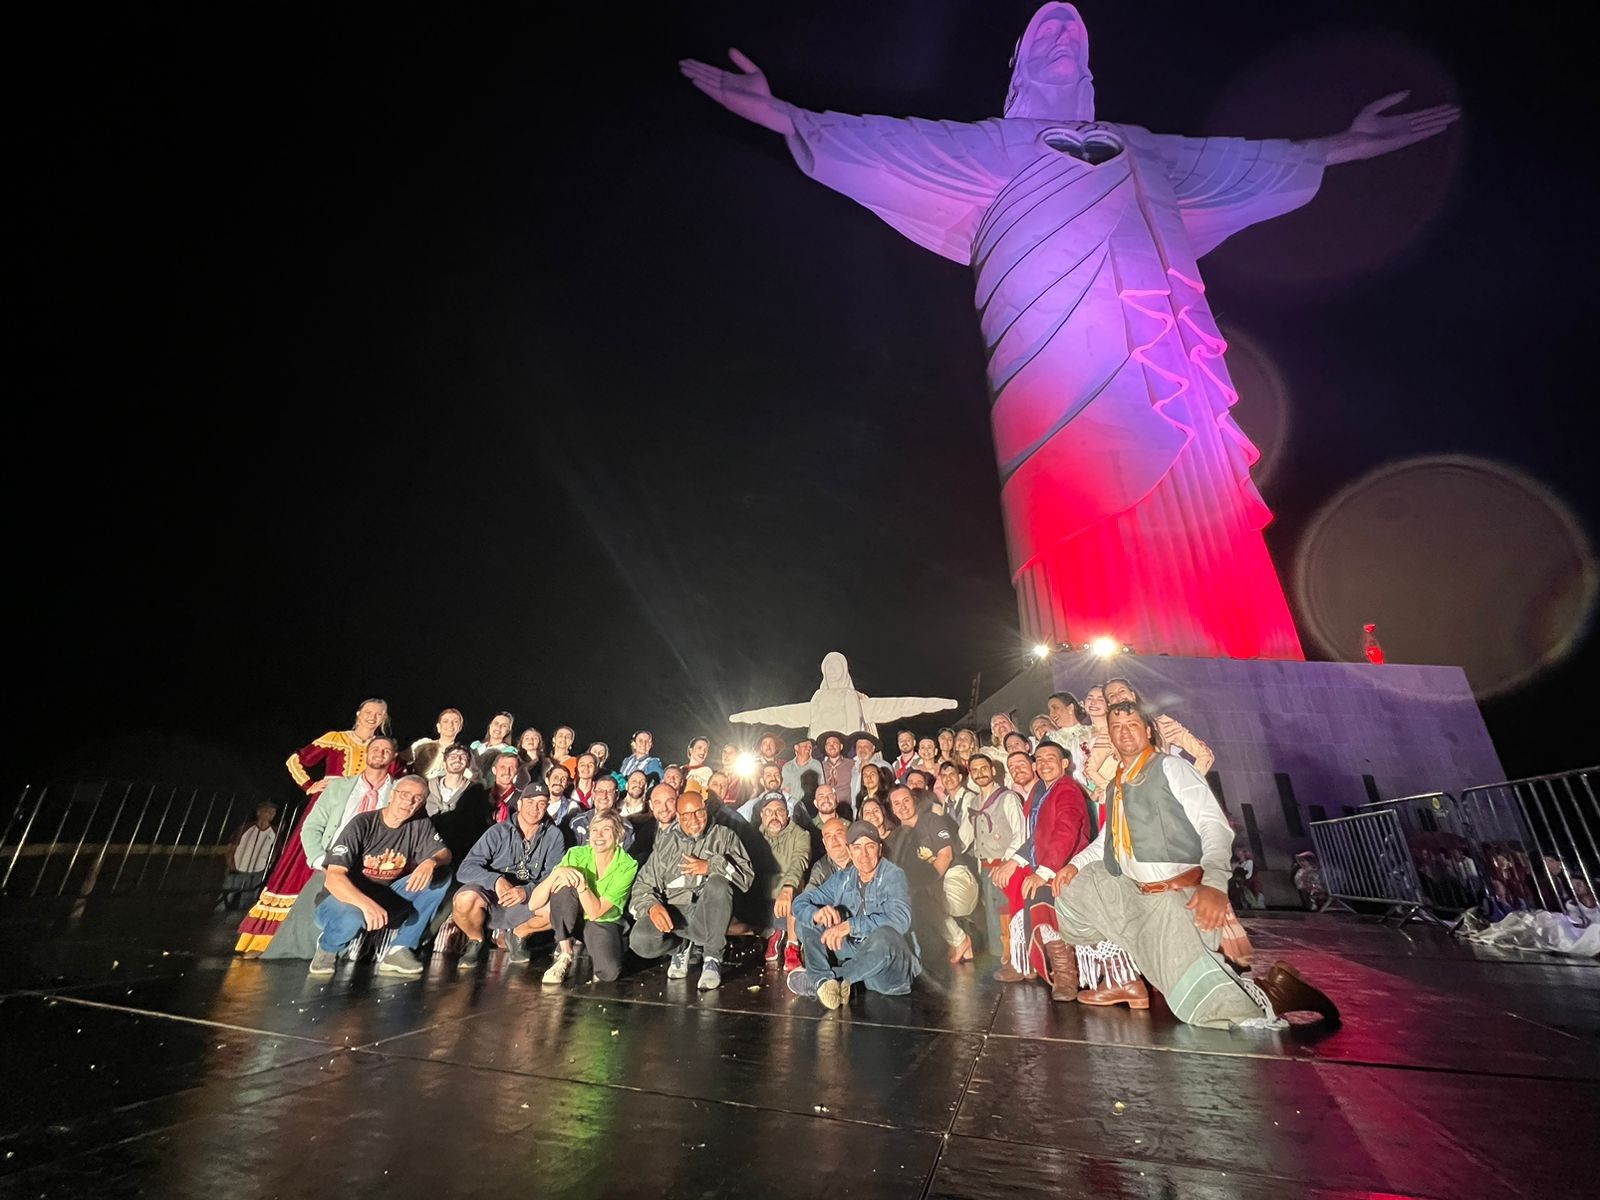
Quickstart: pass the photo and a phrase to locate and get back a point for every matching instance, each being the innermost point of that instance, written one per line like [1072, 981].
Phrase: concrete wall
[1292, 735]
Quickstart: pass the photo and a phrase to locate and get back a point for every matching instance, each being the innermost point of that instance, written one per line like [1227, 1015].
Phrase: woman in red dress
[336, 753]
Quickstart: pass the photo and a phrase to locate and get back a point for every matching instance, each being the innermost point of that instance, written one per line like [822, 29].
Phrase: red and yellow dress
[338, 754]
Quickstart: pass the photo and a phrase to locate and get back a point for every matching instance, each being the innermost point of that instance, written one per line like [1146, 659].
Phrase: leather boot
[1009, 974]
[1290, 993]
[1063, 960]
[1134, 995]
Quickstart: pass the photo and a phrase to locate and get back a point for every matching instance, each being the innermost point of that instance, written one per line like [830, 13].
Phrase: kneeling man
[1155, 880]
[855, 926]
[386, 869]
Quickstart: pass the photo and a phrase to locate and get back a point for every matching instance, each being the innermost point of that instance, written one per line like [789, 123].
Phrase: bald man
[683, 895]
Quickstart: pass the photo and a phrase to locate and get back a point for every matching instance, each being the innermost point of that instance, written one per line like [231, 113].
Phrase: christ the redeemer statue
[836, 705]
[1125, 484]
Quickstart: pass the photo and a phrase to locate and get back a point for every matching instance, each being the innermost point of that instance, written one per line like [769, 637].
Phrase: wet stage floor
[151, 1063]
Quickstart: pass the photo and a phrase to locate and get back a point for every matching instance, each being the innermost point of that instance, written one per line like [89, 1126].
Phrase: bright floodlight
[1041, 651]
[1103, 647]
[745, 765]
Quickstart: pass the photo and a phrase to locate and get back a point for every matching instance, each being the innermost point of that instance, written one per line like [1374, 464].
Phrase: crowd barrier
[1523, 844]
[1364, 857]
[81, 837]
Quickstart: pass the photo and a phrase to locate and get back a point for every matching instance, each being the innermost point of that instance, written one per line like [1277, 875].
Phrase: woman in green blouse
[587, 894]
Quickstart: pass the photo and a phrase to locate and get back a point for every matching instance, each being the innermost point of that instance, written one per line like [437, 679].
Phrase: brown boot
[1134, 995]
[1063, 960]
[1009, 974]
[1290, 993]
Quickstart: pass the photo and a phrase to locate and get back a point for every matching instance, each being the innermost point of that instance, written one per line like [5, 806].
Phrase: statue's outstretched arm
[1375, 131]
[891, 708]
[744, 92]
[785, 716]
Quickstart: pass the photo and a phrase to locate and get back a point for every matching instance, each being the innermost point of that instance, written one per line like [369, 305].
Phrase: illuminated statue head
[836, 671]
[1050, 76]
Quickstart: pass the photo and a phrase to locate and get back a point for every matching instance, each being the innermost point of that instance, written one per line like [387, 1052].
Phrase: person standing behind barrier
[339, 754]
[249, 852]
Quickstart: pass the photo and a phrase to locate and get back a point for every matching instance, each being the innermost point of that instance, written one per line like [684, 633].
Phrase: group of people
[1088, 854]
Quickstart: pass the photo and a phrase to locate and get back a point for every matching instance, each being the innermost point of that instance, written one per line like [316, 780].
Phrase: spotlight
[745, 765]
[1041, 651]
[1103, 647]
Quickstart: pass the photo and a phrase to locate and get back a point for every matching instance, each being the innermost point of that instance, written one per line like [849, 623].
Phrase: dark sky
[480, 360]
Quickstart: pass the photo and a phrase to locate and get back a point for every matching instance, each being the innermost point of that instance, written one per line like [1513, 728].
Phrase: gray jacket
[661, 881]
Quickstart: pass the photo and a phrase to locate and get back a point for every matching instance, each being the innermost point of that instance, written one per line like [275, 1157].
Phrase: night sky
[482, 361]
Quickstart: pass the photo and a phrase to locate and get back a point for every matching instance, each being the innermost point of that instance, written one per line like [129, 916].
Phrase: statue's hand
[1375, 131]
[744, 92]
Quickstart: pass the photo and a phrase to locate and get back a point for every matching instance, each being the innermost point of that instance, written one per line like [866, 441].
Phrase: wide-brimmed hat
[863, 735]
[822, 738]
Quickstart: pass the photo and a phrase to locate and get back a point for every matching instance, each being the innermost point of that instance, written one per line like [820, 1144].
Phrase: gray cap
[862, 829]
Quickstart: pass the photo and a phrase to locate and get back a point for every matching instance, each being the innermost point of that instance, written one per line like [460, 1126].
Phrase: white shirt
[1190, 789]
[254, 849]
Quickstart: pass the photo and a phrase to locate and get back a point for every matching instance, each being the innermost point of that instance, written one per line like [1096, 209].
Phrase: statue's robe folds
[1125, 483]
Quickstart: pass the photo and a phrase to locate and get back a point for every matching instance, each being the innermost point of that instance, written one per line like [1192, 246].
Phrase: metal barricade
[1443, 842]
[76, 837]
[1539, 839]
[1365, 858]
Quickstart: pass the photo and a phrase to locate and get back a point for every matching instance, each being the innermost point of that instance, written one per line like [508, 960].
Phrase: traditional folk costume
[993, 828]
[1165, 833]
[1058, 828]
[340, 756]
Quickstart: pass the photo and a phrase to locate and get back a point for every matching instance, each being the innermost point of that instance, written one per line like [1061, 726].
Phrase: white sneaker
[558, 969]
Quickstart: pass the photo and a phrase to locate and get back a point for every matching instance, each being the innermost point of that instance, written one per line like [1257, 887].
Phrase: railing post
[22, 839]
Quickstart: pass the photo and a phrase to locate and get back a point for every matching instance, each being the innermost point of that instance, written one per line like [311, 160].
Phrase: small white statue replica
[837, 705]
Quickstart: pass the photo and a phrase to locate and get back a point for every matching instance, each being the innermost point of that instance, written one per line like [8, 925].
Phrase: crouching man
[683, 895]
[387, 869]
[855, 927]
[1154, 880]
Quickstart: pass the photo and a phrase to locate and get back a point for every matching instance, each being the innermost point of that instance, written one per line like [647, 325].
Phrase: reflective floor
[141, 1059]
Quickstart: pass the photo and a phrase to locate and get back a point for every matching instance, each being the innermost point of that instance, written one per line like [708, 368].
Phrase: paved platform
[141, 1059]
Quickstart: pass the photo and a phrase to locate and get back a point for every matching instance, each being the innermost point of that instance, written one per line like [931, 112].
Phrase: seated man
[1154, 879]
[835, 855]
[683, 895]
[943, 887]
[501, 871]
[788, 851]
[605, 800]
[388, 868]
[855, 927]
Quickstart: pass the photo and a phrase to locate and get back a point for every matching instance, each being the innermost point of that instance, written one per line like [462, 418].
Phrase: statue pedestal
[1295, 741]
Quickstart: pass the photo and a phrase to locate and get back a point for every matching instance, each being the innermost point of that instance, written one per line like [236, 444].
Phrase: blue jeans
[881, 962]
[409, 912]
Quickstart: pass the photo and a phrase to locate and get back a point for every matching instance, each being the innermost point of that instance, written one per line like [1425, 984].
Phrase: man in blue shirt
[500, 872]
[855, 926]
